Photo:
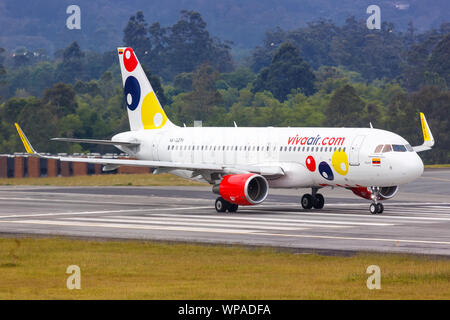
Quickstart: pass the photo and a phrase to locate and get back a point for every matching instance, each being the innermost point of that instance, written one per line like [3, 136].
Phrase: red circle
[130, 62]
[311, 163]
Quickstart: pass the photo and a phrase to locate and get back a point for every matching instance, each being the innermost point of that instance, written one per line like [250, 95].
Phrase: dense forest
[319, 74]
[41, 24]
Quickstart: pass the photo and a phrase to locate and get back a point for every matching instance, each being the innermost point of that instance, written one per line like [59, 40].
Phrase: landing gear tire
[319, 201]
[232, 207]
[380, 208]
[376, 208]
[307, 201]
[221, 205]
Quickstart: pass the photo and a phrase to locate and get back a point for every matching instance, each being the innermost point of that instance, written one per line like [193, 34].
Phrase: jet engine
[243, 189]
[384, 192]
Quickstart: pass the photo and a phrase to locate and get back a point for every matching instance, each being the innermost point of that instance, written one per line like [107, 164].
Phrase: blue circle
[325, 171]
[132, 88]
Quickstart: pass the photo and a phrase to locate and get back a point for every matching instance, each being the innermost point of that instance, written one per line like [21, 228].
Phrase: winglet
[25, 141]
[427, 136]
[428, 140]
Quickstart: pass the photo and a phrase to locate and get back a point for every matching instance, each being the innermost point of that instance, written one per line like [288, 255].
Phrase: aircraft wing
[428, 140]
[265, 170]
[95, 141]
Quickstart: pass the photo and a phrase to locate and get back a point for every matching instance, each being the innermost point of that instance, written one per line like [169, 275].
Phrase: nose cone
[406, 167]
[416, 166]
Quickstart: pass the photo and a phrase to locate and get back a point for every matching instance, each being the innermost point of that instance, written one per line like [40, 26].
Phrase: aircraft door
[354, 150]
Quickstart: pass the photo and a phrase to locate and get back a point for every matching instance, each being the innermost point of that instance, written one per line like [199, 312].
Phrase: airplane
[242, 163]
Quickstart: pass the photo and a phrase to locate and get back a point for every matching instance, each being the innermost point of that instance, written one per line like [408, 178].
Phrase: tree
[189, 45]
[72, 67]
[435, 103]
[135, 34]
[182, 47]
[60, 99]
[203, 102]
[345, 108]
[287, 71]
[440, 59]
[2, 73]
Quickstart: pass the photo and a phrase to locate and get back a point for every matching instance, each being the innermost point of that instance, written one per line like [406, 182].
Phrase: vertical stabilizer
[144, 110]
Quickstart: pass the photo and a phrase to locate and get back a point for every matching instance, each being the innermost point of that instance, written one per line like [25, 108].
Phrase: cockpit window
[387, 148]
[409, 148]
[398, 148]
[378, 148]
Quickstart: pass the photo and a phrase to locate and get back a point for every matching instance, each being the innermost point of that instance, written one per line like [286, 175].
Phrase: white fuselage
[310, 157]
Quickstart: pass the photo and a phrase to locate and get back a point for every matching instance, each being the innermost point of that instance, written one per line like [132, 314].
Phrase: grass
[437, 166]
[119, 180]
[105, 180]
[34, 268]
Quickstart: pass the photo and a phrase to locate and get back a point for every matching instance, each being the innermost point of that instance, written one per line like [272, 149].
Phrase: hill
[42, 24]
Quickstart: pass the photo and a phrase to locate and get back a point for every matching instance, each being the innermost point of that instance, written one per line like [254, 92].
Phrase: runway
[417, 220]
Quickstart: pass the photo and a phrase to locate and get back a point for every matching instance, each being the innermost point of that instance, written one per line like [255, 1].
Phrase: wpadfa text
[225, 309]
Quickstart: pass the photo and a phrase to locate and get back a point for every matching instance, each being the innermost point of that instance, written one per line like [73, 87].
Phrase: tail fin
[144, 109]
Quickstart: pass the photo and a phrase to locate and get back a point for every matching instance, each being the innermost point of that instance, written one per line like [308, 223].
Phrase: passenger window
[378, 148]
[387, 148]
[398, 148]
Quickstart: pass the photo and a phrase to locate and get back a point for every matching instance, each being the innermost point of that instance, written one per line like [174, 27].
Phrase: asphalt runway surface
[417, 220]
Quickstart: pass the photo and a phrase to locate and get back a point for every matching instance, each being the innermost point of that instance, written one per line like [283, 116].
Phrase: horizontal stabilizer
[94, 141]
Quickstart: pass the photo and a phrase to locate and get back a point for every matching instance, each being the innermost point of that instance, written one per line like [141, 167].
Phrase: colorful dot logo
[325, 171]
[129, 60]
[339, 161]
[310, 164]
[153, 117]
[132, 92]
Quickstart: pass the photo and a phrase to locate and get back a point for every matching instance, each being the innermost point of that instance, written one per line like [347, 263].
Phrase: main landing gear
[376, 207]
[223, 205]
[314, 200]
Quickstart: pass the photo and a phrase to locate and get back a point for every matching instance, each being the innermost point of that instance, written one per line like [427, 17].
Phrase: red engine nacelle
[385, 192]
[243, 189]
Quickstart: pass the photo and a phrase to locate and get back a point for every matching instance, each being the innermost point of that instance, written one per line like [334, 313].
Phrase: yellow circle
[149, 112]
[339, 161]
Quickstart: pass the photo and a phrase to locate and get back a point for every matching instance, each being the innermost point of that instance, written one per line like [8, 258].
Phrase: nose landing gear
[376, 207]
